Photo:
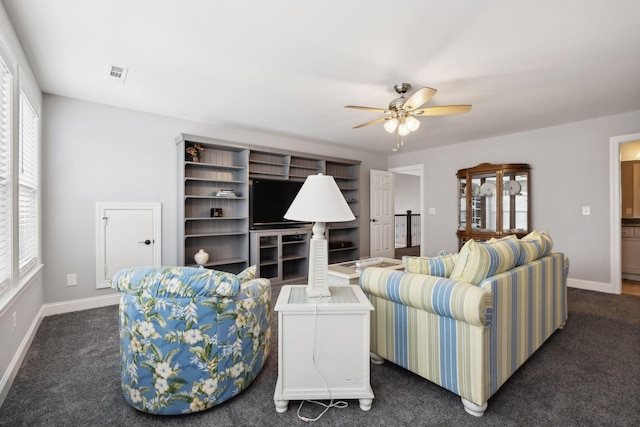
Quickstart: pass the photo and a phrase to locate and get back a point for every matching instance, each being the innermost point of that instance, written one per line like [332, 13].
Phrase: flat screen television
[269, 201]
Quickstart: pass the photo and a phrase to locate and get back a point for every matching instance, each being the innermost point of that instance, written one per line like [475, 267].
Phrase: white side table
[323, 346]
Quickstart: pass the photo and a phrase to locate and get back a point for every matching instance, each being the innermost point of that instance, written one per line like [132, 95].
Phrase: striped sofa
[468, 338]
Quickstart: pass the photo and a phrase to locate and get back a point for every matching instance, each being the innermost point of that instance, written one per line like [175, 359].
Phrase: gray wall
[95, 153]
[406, 192]
[570, 169]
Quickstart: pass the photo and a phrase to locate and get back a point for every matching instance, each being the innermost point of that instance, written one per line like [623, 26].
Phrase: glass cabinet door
[462, 204]
[493, 201]
[515, 194]
[484, 203]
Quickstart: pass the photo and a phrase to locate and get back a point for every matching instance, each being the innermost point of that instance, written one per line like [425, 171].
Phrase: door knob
[373, 220]
[146, 242]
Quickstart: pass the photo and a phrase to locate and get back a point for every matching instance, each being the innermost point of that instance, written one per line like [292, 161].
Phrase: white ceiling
[289, 66]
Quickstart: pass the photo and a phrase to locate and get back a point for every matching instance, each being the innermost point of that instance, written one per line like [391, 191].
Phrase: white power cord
[338, 404]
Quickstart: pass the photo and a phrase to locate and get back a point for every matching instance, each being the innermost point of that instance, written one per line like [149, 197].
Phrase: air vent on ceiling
[117, 74]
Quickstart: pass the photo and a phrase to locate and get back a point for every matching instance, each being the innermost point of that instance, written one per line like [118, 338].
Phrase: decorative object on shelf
[319, 201]
[513, 187]
[401, 114]
[194, 151]
[226, 192]
[216, 212]
[201, 257]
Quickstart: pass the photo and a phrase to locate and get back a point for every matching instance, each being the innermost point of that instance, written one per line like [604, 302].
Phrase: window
[20, 106]
[27, 187]
[5, 176]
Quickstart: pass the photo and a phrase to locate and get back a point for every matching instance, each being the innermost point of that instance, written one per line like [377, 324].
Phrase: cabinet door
[630, 255]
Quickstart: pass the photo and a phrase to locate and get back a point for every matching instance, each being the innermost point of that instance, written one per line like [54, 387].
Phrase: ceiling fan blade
[381, 119]
[419, 98]
[443, 110]
[379, 110]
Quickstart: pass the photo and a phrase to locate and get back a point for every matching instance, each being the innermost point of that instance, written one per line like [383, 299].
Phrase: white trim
[591, 286]
[614, 215]
[101, 207]
[417, 170]
[80, 304]
[18, 357]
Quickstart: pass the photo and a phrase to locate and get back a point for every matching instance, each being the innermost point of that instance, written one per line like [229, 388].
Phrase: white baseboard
[80, 304]
[48, 310]
[16, 362]
[591, 286]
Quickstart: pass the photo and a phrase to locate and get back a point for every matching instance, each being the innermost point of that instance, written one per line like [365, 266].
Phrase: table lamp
[319, 201]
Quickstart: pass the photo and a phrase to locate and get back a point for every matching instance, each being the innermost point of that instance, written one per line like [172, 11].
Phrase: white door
[382, 215]
[128, 237]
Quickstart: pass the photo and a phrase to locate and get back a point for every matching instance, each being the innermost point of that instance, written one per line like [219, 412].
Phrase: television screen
[269, 201]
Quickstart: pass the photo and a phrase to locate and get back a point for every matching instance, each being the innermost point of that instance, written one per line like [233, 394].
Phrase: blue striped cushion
[479, 260]
[535, 245]
[440, 266]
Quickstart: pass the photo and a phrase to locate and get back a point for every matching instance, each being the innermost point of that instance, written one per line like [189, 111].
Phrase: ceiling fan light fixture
[391, 125]
[403, 129]
[412, 123]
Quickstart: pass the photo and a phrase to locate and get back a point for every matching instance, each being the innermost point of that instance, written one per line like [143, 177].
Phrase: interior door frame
[101, 208]
[416, 170]
[614, 203]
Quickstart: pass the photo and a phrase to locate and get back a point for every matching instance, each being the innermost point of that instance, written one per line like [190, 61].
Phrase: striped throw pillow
[535, 245]
[440, 266]
[479, 260]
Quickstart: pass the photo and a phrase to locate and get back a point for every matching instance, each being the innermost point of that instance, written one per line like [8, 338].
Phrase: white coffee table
[348, 273]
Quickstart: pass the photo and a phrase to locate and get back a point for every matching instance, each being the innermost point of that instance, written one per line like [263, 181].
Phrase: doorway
[630, 223]
[408, 191]
[616, 144]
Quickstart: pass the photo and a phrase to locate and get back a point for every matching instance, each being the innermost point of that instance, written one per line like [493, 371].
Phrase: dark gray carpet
[585, 375]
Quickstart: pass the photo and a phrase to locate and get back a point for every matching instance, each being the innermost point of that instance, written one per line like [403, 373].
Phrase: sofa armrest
[445, 297]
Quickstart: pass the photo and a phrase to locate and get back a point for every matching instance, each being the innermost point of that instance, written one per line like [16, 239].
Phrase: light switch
[586, 210]
[432, 211]
[628, 211]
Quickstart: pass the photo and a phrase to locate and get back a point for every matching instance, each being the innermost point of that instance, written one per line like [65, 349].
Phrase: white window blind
[5, 176]
[27, 187]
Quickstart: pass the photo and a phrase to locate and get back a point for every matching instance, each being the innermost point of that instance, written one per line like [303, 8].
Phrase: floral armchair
[190, 338]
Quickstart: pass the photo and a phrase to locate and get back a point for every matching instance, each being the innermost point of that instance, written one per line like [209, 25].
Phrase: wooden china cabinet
[494, 200]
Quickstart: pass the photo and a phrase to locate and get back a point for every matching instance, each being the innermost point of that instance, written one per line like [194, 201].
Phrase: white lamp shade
[412, 123]
[403, 129]
[391, 125]
[319, 200]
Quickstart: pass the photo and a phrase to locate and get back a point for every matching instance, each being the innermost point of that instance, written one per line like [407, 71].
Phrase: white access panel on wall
[127, 235]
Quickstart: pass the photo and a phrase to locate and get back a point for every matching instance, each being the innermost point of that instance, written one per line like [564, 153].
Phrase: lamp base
[318, 264]
[318, 291]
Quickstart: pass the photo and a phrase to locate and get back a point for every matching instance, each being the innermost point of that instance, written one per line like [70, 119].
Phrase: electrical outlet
[15, 321]
[586, 210]
[72, 279]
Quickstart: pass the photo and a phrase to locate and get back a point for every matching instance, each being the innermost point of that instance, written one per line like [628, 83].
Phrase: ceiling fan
[402, 112]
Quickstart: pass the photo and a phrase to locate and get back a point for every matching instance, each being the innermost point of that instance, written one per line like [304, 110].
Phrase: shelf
[226, 181]
[261, 162]
[262, 173]
[216, 218]
[218, 262]
[294, 257]
[229, 233]
[189, 196]
[214, 166]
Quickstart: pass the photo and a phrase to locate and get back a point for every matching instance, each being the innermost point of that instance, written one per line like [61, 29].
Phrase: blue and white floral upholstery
[190, 338]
